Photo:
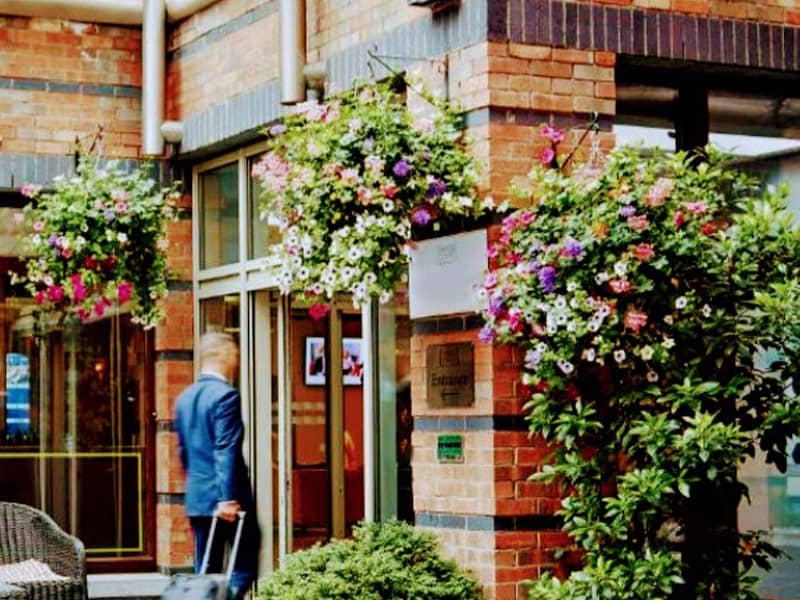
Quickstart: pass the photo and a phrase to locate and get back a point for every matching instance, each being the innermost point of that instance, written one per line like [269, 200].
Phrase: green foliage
[98, 240]
[347, 181]
[383, 561]
[658, 303]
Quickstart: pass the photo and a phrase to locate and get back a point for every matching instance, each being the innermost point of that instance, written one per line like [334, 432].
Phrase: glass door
[326, 428]
[308, 455]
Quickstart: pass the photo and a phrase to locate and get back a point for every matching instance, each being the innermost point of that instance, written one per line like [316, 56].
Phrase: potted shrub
[389, 560]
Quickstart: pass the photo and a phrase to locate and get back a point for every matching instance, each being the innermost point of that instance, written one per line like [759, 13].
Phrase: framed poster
[314, 367]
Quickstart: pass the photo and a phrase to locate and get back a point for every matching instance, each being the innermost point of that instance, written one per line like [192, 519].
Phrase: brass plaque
[450, 376]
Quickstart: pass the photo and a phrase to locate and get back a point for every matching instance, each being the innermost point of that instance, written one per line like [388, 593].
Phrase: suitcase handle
[234, 550]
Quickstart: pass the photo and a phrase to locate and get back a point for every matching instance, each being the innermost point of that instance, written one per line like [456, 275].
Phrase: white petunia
[646, 352]
[652, 376]
[620, 268]
[706, 310]
[619, 355]
[668, 343]
[589, 354]
[680, 302]
[303, 273]
[668, 319]
[385, 297]
[122, 237]
[601, 277]
[566, 366]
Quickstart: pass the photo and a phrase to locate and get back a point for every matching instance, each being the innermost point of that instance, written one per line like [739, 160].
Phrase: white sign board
[445, 273]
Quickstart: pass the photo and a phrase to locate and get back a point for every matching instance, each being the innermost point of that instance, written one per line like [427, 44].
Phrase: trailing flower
[642, 296]
[97, 241]
[350, 180]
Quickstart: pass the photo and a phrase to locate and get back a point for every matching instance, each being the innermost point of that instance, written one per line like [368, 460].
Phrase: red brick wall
[46, 122]
[202, 72]
[173, 372]
[778, 11]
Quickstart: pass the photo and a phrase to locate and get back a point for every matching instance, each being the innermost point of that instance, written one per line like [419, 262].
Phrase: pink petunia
[659, 192]
[319, 310]
[638, 222]
[634, 320]
[644, 252]
[124, 291]
[29, 190]
[526, 217]
[696, 208]
[554, 135]
[620, 286]
[679, 219]
[55, 293]
[78, 289]
[547, 156]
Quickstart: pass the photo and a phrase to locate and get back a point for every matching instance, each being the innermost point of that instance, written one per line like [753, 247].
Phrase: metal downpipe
[292, 50]
[154, 19]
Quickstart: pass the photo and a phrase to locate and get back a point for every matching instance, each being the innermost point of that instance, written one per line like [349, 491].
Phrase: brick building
[690, 66]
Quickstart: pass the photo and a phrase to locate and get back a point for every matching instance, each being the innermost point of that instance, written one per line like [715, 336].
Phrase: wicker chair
[27, 533]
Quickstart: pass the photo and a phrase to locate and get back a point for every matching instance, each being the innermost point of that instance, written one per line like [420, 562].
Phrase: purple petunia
[277, 129]
[486, 335]
[401, 168]
[573, 248]
[627, 211]
[421, 215]
[108, 214]
[495, 306]
[436, 188]
[547, 279]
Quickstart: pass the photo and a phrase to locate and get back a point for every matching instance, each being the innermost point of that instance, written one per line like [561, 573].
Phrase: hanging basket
[97, 241]
[351, 181]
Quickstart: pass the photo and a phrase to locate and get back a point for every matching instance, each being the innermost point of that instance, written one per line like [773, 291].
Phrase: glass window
[265, 232]
[78, 426]
[219, 216]
[222, 314]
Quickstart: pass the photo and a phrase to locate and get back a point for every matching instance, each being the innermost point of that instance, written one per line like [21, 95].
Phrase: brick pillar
[489, 518]
[173, 372]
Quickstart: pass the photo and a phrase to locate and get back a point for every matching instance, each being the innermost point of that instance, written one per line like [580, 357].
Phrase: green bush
[389, 560]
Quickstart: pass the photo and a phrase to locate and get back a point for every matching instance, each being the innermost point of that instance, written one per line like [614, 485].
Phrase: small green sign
[450, 448]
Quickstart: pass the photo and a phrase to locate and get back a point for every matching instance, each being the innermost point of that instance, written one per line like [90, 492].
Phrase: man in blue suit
[208, 417]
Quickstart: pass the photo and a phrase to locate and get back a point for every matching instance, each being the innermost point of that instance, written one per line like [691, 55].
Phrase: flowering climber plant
[350, 180]
[98, 240]
[642, 296]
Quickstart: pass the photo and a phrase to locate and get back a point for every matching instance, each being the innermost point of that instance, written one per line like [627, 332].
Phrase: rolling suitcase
[205, 586]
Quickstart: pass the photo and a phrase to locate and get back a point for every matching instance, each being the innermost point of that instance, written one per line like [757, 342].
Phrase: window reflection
[265, 232]
[219, 217]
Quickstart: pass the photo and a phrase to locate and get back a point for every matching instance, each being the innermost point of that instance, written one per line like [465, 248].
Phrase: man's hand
[228, 510]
